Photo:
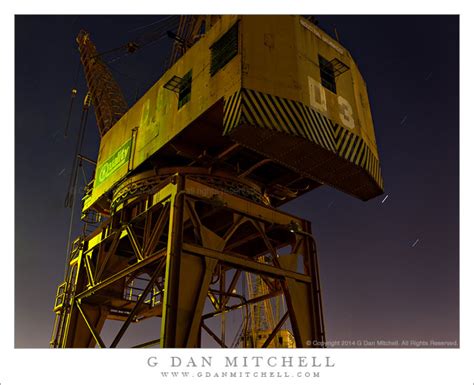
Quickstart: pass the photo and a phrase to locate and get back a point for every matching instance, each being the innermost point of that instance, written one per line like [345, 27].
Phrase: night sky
[389, 271]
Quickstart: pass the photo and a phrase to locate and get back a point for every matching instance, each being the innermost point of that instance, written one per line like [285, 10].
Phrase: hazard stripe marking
[296, 119]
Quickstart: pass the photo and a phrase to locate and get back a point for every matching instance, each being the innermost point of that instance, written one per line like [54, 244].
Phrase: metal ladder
[64, 297]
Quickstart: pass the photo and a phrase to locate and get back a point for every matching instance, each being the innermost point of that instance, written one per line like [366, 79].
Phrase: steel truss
[192, 242]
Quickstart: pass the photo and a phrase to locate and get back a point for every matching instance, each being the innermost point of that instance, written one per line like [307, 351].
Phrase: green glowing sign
[113, 163]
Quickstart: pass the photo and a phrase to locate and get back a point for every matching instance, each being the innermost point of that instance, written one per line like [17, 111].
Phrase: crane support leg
[176, 253]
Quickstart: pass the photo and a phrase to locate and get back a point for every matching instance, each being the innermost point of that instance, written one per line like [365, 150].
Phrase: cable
[155, 22]
[73, 97]
[80, 138]
[70, 200]
[144, 39]
[84, 178]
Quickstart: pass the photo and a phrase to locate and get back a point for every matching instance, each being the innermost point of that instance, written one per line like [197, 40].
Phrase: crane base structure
[175, 248]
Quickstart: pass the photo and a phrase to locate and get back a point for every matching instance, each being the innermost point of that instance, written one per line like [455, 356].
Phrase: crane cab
[279, 102]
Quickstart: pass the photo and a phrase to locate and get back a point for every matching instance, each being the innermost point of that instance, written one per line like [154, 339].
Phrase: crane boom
[107, 97]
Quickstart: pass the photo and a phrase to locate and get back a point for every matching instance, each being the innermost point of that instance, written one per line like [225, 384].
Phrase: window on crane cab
[224, 49]
[328, 79]
[185, 90]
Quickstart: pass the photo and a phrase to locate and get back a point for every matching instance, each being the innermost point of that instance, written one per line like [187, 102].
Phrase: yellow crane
[263, 315]
[253, 112]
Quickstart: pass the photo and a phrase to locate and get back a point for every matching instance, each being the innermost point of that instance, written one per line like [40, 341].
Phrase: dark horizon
[389, 267]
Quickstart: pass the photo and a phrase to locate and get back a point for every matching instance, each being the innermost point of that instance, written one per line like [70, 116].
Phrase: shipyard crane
[252, 112]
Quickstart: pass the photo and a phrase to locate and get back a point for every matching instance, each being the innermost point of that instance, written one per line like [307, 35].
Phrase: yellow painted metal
[94, 241]
[281, 59]
[186, 265]
[278, 57]
[156, 118]
[282, 339]
[268, 98]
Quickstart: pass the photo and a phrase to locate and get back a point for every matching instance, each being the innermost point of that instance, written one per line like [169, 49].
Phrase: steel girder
[191, 241]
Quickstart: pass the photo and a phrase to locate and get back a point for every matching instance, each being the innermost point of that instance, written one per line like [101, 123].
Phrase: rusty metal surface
[107, 98]
[183, 240]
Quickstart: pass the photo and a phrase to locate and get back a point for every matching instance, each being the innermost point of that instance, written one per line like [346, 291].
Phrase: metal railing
[133, 293]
